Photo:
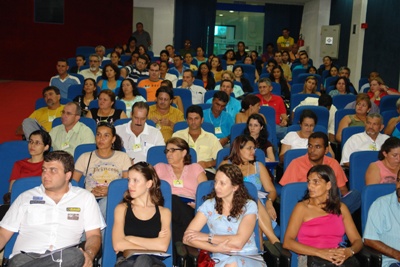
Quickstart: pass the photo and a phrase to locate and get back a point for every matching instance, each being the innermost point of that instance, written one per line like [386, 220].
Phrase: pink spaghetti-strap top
[387, 177]
[322, 232]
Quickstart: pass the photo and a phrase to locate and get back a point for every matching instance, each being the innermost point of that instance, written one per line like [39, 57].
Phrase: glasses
[67, 113]
[36, 143]
[172, 150]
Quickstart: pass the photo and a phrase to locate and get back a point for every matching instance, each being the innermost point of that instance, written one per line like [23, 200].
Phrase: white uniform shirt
[137, 146]
[46, 225]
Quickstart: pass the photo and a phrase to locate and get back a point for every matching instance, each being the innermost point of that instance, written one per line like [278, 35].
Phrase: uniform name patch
[73, 216]
[74, 209]
[37, 202]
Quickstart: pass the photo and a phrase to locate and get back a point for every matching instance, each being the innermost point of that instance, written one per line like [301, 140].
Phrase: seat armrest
[272, 255]
[376, 256]
[286, 255]
[364, 258]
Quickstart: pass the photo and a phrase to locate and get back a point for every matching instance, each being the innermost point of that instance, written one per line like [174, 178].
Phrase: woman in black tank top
[140, 221]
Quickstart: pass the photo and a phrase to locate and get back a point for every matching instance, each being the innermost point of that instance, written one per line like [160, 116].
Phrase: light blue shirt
[237, 90]
[383, 224]
[224, 122]
[233, 107]
[63, 85]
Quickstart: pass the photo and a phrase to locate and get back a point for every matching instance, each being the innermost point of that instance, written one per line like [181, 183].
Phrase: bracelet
[210, 237]
[352, 251]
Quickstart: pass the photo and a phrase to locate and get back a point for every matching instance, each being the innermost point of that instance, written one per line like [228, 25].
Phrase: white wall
[163, 22]
[316, 13]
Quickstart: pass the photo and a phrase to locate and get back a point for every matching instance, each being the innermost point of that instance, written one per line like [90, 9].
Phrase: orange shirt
[151, 88]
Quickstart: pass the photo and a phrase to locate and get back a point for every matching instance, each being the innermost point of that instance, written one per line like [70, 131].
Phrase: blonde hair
[316, 85]
[230, 73]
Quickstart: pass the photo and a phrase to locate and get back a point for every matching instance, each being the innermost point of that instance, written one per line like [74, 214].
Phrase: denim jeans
[352, 200]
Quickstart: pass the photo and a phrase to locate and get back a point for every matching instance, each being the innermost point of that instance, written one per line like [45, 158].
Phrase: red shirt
[382, 94]
[298, 168]
[24, 168]
[275, 102]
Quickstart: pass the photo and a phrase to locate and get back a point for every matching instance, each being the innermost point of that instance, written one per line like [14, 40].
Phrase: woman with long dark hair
[89, 93]
[342, 87]
[204, 73]
[278, 76]
[140, 220]
[318, 222]
[242, 154]
[110, 78]
[231, 216]
[129, 94]
[238, 75]
[257, 128]
[103, 165]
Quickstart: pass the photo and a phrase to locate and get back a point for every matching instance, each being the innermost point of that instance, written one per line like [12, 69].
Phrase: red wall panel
[29, 50]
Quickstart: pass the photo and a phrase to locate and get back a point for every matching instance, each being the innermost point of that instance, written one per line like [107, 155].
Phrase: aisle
[18, 102]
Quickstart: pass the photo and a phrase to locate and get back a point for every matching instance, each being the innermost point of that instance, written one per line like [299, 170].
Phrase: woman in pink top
[183, 177]
[320, 220]
[384, 171]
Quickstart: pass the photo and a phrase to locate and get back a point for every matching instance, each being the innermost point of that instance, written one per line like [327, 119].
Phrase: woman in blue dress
[231, 217]
[242, 154]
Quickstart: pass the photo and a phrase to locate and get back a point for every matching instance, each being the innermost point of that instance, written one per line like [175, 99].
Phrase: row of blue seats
[115, 192]
[290, 196]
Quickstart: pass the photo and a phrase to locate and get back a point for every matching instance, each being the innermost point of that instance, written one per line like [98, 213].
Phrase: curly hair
[115, 68]
[150, 174]
[237, 145]
[332, 203]
[240, 196]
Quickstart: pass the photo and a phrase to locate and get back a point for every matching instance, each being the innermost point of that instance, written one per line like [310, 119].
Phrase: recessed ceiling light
[221, 15]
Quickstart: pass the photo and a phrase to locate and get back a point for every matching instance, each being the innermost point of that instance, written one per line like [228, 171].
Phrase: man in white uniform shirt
[51, 218]
[137, 135]
[198, 92]
[371, 139]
